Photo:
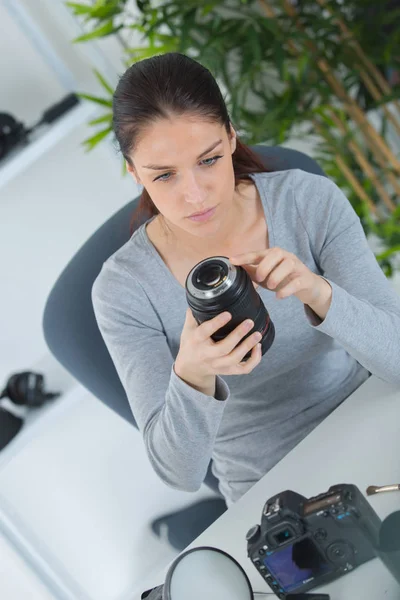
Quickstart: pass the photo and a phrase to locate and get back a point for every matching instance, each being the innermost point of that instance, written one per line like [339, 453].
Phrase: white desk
[358, 443]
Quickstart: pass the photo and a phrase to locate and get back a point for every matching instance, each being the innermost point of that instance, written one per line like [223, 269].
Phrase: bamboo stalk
[361, 159]
[351, 178]
[353, 144]
[356, 185]
[377, 96]
[267, 9]
[372, 137]
[365, 165]
[380, 80]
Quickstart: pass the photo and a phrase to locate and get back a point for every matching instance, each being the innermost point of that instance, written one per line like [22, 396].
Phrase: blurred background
[318, 76]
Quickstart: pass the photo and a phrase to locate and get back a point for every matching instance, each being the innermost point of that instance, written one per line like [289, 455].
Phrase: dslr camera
[303, 543]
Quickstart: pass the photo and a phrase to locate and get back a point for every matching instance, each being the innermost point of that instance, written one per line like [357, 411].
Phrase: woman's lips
[204, 216]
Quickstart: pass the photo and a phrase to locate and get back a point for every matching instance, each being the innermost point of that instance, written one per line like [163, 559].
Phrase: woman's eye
[213, 159]
[160, 178]
[206, 162]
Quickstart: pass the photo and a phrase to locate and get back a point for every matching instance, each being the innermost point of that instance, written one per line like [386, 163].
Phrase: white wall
[55, 203]
[60, 27]
[29, 67]
[46, 213]
[22, 70]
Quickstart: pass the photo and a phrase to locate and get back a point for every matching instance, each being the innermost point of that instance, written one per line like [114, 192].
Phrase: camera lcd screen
[295, 564]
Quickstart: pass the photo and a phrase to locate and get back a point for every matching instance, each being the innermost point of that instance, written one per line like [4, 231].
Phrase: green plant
[287, 71]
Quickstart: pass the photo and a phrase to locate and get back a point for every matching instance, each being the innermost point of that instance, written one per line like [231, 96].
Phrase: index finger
[249, 258]
[207, 328]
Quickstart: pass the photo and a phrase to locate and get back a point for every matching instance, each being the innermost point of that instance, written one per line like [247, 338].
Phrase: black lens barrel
[240, 299]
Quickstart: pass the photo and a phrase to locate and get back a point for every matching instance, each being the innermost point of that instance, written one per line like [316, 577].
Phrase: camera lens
[214, 285]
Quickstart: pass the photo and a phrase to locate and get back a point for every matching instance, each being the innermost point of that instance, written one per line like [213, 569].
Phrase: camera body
[303, 543]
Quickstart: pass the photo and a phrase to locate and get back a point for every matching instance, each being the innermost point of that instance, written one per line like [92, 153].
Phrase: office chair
[72, 335]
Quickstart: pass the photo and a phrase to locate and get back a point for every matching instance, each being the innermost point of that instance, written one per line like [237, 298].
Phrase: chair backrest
[69, 324]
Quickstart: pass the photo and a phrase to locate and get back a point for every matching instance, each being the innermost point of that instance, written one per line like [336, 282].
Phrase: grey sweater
[310, 369]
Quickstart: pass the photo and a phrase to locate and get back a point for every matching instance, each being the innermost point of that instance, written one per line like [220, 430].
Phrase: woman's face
[185, 164]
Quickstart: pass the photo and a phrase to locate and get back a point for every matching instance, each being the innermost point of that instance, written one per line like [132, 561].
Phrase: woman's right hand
[200, 358]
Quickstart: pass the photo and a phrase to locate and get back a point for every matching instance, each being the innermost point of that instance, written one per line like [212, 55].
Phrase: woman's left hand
[281, 271]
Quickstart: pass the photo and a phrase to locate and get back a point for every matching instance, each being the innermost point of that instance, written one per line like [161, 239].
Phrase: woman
[337, 318]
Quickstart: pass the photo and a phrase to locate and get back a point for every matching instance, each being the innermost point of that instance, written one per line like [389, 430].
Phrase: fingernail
[249, 324]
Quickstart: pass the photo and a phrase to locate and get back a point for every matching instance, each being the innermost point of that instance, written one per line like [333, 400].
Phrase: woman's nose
[192, 193]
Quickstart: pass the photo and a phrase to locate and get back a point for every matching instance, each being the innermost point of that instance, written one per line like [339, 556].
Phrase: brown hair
[160, 87]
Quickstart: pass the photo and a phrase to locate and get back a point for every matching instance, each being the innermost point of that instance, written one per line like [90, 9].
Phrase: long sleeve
[364, 315]
[179, 424]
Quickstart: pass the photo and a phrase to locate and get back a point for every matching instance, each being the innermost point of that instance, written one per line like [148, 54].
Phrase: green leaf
[140, 53]
[124, 167]
[142, 5]
[101, 10]
[394, 95]
[207, 8]
[96, 99]
[254, 40]
[103, 82]
[79, 9]
[102, 31]
[103, 119]
[302, 66]
[389, 252]
[396, 213]
[91, 142]
[105, 10]
[270, 24]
